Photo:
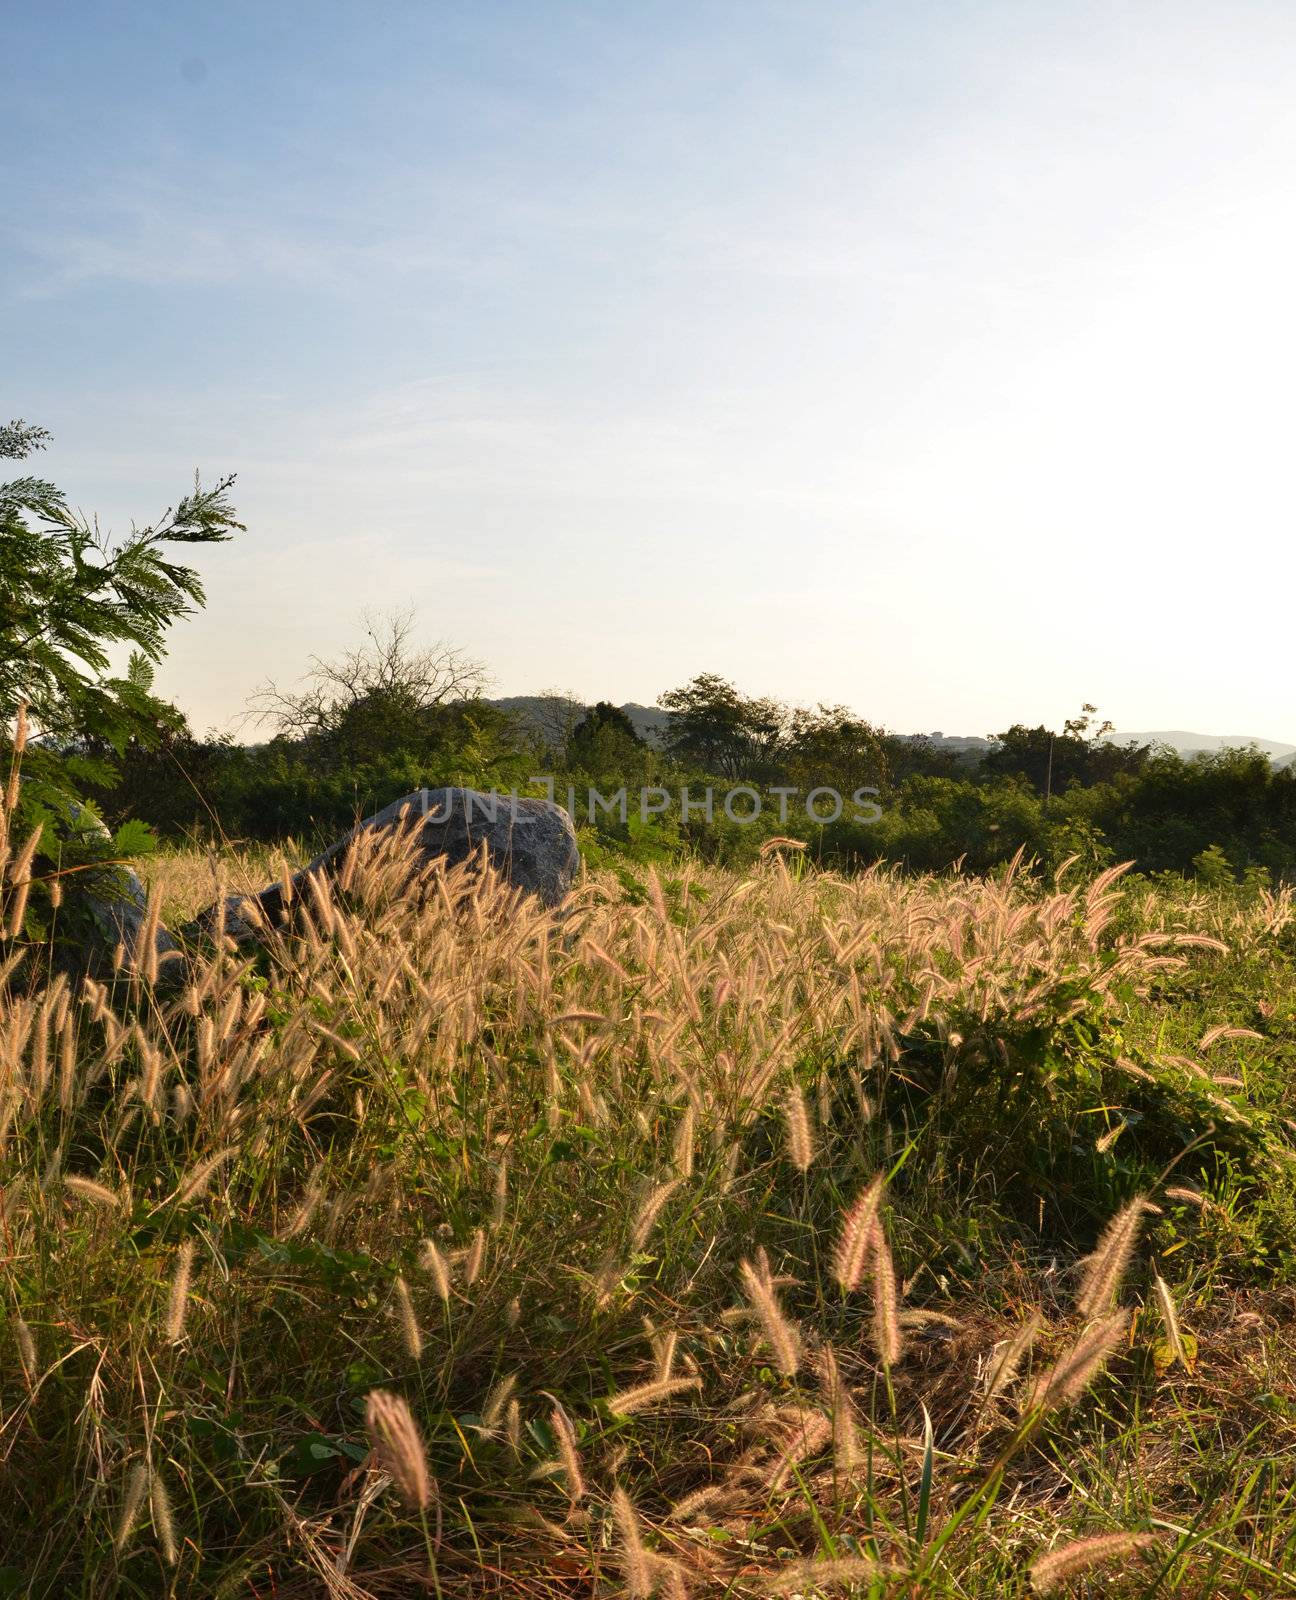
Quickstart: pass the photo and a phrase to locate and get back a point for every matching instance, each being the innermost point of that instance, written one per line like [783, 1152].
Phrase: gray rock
[531, 843]
[118, 908]
[114, 903]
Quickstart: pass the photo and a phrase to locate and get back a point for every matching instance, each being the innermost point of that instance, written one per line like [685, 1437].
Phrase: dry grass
[571, 1229]
[189, 880]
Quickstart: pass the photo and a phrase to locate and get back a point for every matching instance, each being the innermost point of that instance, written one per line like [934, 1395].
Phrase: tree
[605, 741]
[551, 718]
[1081, 753]
[915, 756]
[831, 745]
[69, 595]
[382, 696]
[715, 727]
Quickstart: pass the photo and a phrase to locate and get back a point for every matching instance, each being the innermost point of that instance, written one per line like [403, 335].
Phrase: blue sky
[933, 358]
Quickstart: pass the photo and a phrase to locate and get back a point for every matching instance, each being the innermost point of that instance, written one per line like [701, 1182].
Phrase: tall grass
[707, 1236]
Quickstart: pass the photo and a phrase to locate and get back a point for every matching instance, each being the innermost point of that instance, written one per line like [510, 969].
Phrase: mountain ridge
[649, 721]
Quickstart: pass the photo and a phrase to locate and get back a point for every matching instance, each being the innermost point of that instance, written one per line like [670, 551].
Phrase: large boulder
[531, 843]
[108, 908]
[117, 907]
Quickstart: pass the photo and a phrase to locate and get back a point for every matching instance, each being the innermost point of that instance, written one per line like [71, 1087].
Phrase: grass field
[716, 1236]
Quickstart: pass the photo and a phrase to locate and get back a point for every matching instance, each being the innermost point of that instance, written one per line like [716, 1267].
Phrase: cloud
[156, 232]
[154, 248]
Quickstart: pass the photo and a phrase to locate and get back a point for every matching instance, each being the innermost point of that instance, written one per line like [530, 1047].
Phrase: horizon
[932, 363]
[1116, 735]
[1279, 749]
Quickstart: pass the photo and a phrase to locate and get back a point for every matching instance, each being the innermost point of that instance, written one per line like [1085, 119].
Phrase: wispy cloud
[158, 235]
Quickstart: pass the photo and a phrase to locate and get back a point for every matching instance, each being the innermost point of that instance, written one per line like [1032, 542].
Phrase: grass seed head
[435, 1265]
[1170, 1320]
[499, 1204]
[856, 1235]
[398, 1446]
[26, 1348]
[178, 1299]
[163, 1520]
[98, 1194]
[848, 1455]
[497, 1400]
[1106, 1267]
[1005, 1372]
[1072, 1374]
[568, 1455]
[137, 1485]
[805, 1577]
[473, 1260]
[800, 1139]
[650, 1210]
[635, 1566]
[1049, 1572]
[887, 1339]
[643, 1395]
[411, 1333]
[781, 1334]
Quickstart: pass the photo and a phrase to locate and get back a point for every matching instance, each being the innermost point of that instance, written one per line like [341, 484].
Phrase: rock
[109, 904]
[119, 912]
[531, 843]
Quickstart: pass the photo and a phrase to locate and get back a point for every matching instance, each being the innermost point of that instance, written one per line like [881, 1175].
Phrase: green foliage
[716, 728]
[1053, 762]
[605, 742]
[69, 597]
[520, 1097]
[389, 718]
[1212, 868]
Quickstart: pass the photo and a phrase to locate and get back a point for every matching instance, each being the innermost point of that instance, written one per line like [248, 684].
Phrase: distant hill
[649, 721]
[962, 742]
[547, 712]
[1188, 744]
[544, 712]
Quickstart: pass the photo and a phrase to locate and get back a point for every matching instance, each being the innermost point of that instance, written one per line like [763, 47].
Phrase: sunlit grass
[720, 1234]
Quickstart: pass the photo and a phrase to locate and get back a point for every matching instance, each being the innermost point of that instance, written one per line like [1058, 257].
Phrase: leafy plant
[69, 597]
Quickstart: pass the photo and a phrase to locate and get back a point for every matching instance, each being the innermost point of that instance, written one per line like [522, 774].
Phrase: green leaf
[134, 838]
[925, 1483]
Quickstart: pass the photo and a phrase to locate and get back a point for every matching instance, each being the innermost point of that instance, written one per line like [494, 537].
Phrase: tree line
[391, 715]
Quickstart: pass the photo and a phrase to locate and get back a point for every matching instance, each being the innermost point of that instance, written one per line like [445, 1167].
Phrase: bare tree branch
[388, 668]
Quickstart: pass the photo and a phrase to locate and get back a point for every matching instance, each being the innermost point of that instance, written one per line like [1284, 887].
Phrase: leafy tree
[548, 722]
[1213, 868]
[1053, 762]
[916, 756]
[831, 745]
[603, 716]
[933, 822]
[1049, 760]
[605, 741]
[69, 597]
[1231, 798]
[720, 730]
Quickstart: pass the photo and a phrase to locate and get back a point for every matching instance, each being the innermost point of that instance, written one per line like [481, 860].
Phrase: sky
[937, 359]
